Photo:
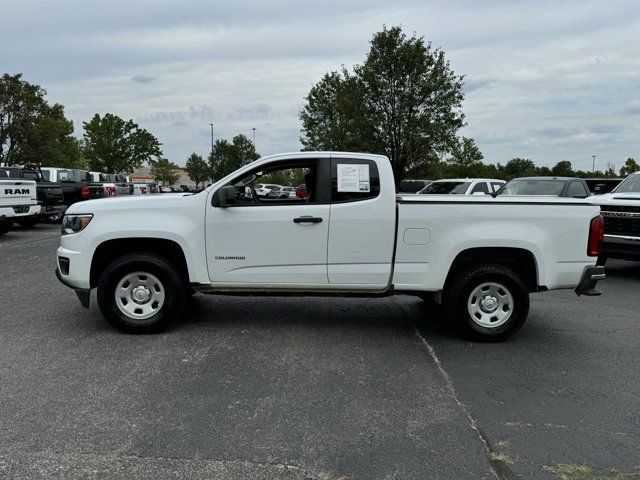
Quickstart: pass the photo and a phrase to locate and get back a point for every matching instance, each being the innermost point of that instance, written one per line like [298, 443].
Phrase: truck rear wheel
[488, 302]
[5, 225]
[141, 293]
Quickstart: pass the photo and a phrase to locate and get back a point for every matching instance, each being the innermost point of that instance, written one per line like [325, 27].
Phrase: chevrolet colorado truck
[478, 256]
[621, 212]
[18, 201]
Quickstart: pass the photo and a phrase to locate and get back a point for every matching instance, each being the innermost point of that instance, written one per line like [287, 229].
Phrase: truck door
[263, 240]
[363, 222]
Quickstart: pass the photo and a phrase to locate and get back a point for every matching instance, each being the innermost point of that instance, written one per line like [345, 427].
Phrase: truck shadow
[395, 315]
[623, 270]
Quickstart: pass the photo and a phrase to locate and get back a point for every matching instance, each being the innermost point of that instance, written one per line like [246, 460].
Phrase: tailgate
[17, 192]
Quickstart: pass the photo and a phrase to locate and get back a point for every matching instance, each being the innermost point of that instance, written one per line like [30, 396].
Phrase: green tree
[544, 171]
[164, 171]
[466, 160]
[197, 168]
[229, 156]
[562, 169]
[629, 167]
[404, 101]
[31, 130]
[519, 167]
[114, 145]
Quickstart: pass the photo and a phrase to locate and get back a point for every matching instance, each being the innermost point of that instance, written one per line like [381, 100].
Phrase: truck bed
[429, 238]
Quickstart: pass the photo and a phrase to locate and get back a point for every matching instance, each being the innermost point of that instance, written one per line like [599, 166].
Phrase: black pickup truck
[49, 194]
[75, 183]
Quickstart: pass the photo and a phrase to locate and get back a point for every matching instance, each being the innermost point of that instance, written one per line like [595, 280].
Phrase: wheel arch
[109, 250]
[521, 260]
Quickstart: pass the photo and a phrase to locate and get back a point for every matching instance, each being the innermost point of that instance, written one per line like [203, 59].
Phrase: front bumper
[84, 294]
[622, 247]
[590, 277]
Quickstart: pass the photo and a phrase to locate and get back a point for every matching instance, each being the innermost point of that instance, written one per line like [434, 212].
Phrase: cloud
[545, 80]
[473, 84]
[143, 79]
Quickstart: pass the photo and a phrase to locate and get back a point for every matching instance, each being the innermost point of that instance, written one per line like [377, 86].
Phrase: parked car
[621, 212]
[141, 189]
[551, 186]
[108, 185]
[18, 201]
[262, 189]
[282, 192]
[598, 186]
[412, 186]
[49, 194]
[75, 183]
[479, 256]
[168, 189]
[301, 191]
[463, 186]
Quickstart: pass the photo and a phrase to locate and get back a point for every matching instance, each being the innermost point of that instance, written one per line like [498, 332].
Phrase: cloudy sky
[547, 80]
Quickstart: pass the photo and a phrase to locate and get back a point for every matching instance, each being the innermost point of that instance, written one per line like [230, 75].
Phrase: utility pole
[211, 139]
[593, 168]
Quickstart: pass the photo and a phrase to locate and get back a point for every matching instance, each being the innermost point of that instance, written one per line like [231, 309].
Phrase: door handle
[307, 219]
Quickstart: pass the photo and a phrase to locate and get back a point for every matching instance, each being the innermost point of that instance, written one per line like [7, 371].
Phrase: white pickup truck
[18, 199]
[479, 257]
[621, 212]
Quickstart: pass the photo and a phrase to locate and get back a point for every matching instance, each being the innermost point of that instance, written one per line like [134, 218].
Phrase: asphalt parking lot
[314, 388]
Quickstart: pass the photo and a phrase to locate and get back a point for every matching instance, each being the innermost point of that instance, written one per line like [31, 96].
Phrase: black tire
[27, 222]
[174, 286]
[457, 301]
[5, 225]
[55, 217]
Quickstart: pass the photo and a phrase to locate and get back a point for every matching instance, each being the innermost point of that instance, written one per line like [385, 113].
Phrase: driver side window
[285, 184]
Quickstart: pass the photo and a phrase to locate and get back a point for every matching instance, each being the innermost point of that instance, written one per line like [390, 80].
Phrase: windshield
[65, 176]
[454, 188]
[629, 185]
[532, 187]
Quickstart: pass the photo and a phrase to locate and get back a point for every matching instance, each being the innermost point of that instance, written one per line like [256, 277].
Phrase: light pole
[254, 137]
[211, 139]
[593, 168]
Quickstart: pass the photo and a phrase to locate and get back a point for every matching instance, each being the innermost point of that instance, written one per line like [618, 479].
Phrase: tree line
[403, 101]
[33, 132]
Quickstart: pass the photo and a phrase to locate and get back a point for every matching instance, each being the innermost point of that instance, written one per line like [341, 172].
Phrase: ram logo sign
[16, 191]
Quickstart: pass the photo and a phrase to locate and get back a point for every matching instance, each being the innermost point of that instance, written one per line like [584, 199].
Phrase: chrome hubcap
[139, 295]
[490, 304]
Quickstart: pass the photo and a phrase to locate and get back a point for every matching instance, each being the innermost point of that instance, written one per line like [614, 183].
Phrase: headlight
[75, 223]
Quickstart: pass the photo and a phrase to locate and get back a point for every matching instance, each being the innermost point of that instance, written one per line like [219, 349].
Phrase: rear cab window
[354, 180]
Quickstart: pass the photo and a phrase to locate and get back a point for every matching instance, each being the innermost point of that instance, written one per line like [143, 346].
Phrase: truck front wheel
[141, 293]
[489, 302]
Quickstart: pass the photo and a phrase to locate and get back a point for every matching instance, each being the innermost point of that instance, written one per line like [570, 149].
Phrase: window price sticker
[353, 178]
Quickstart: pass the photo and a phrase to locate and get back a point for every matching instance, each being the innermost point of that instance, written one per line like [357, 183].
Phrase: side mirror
[224, 197]
[599, 189]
